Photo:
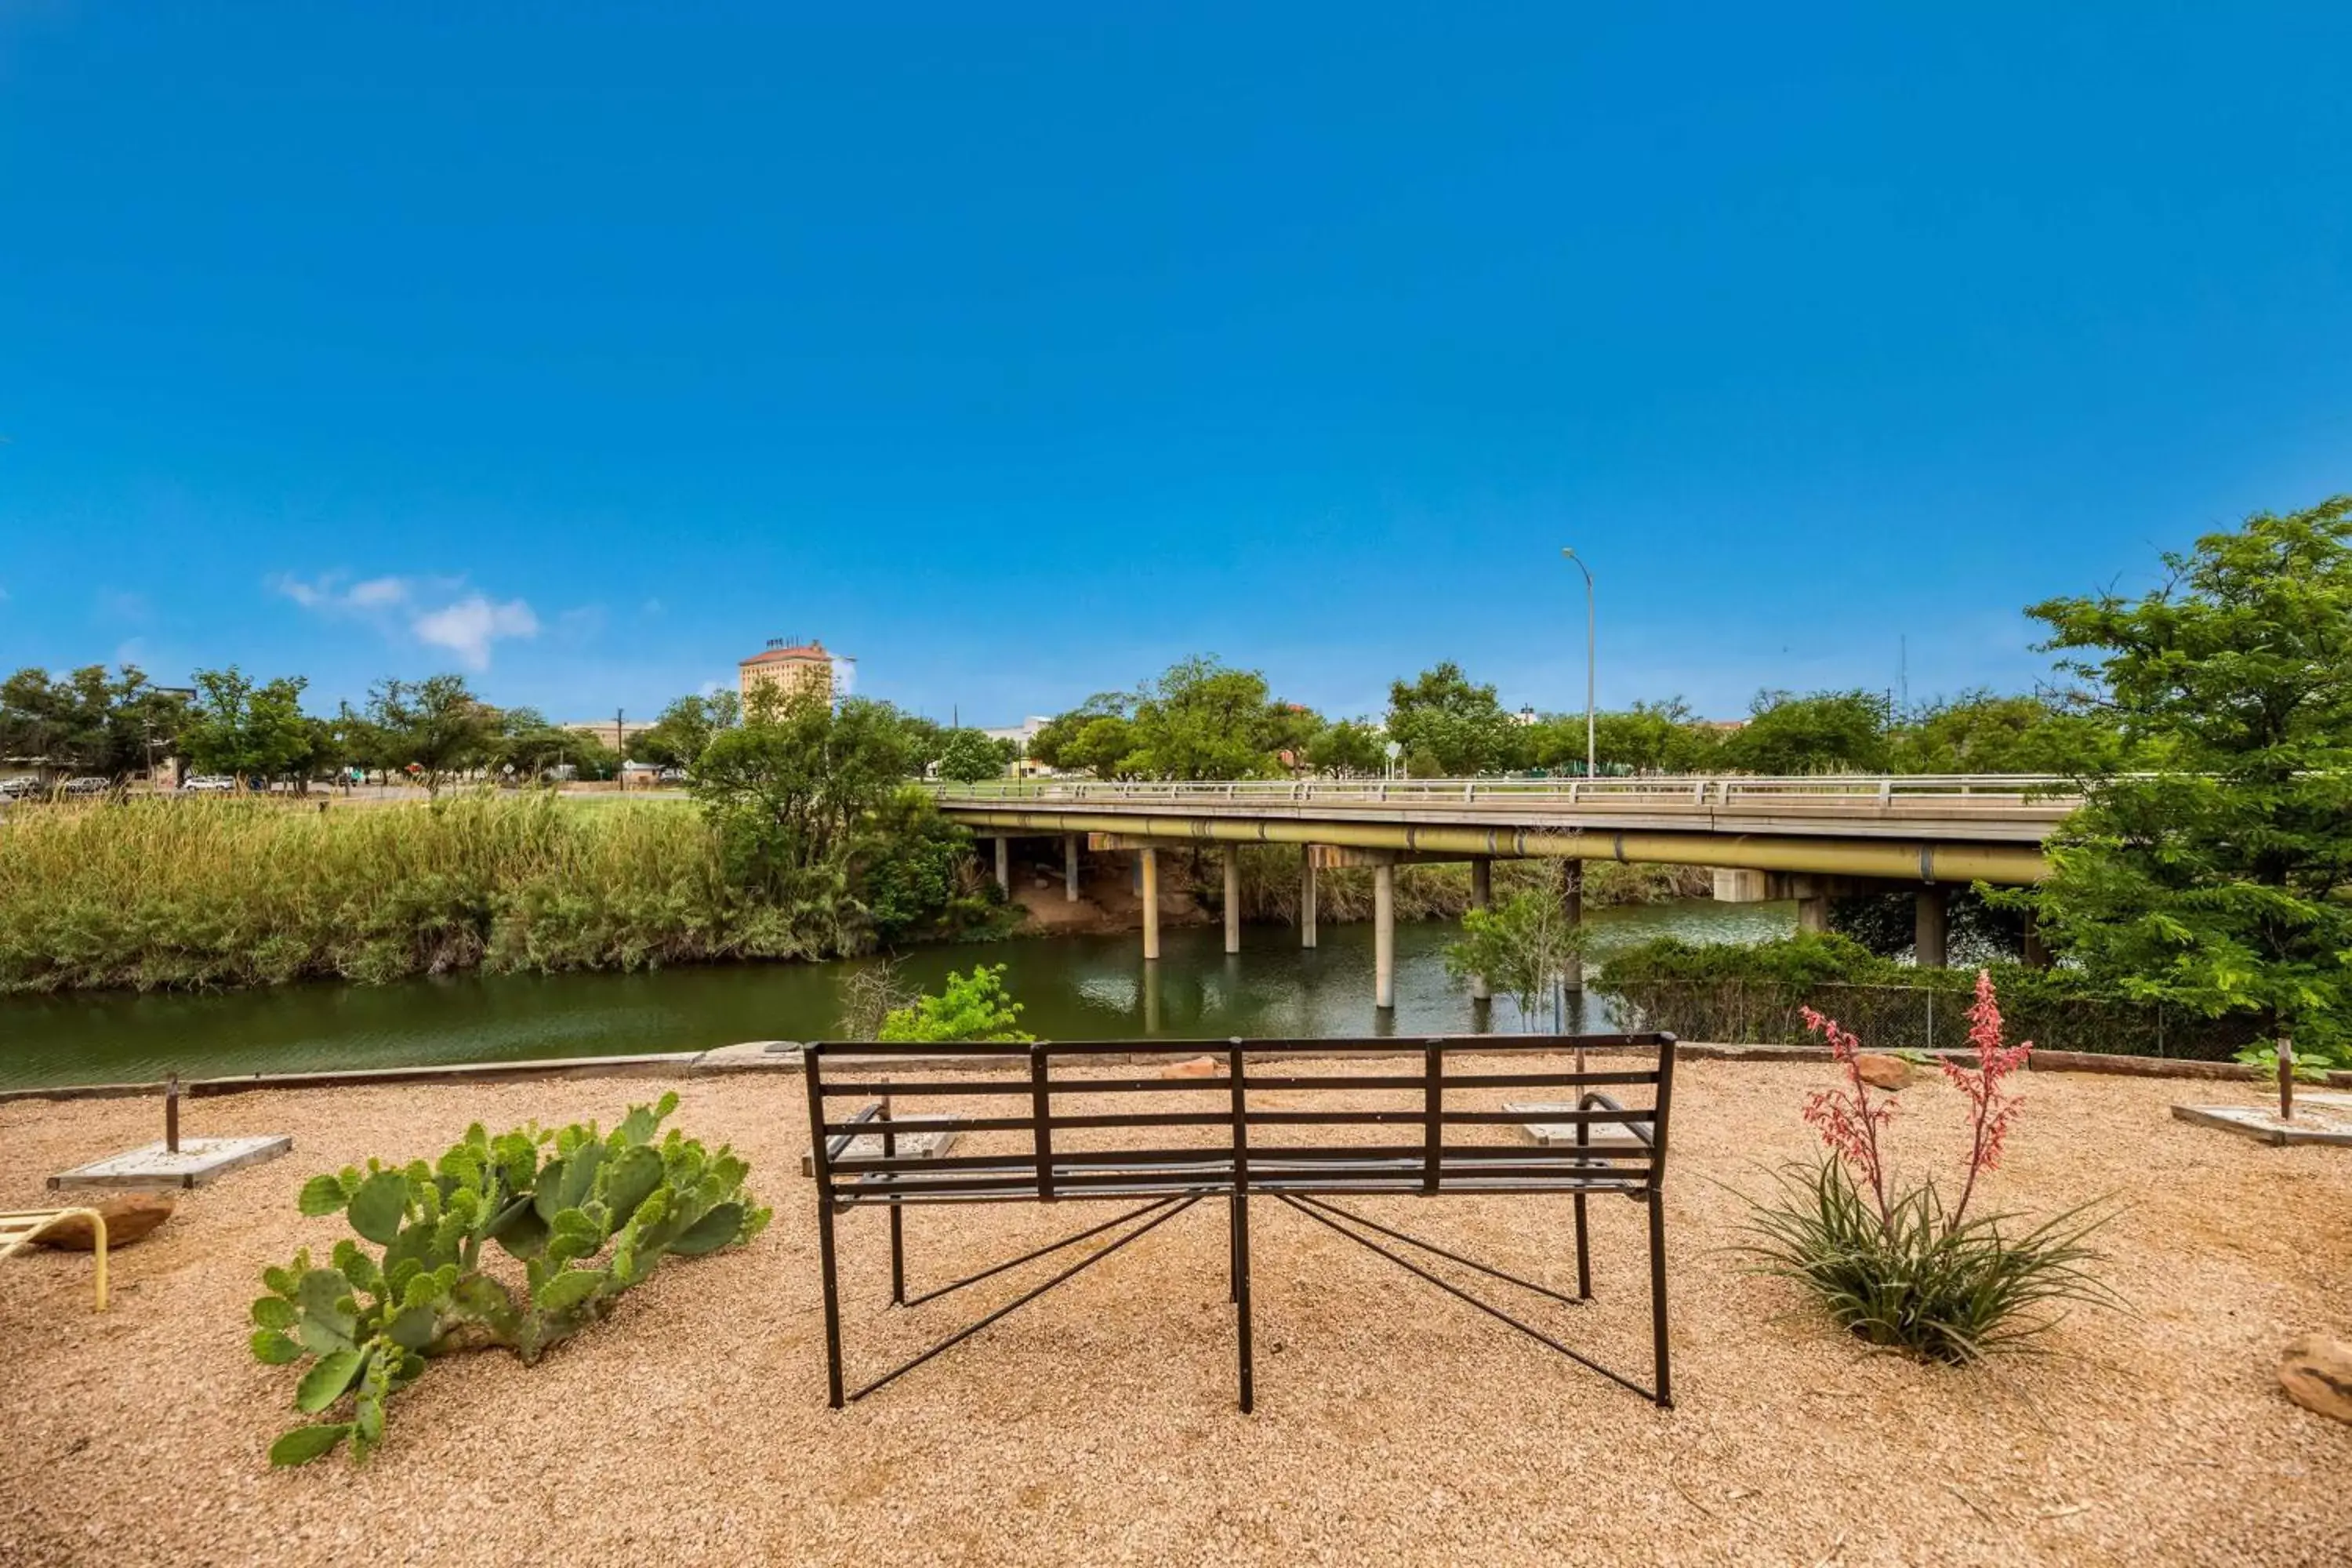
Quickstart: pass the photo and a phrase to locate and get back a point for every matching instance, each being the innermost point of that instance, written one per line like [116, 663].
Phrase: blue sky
[1019, 351]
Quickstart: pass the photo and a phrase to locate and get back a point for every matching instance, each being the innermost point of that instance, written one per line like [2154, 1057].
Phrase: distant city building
[785, 668]
[613, 733]
[1020, 734]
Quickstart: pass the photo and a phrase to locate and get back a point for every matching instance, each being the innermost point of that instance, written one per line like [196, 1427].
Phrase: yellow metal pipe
[1909, 860]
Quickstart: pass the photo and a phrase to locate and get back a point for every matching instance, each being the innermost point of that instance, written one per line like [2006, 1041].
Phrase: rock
[130, 1217]
[2316, 1372]
[1198, 1067]
[1881, 1072]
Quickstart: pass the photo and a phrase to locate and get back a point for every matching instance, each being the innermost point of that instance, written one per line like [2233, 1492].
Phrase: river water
[1075, 987]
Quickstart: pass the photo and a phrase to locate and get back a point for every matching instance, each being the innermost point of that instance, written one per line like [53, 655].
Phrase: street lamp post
[1592, 749]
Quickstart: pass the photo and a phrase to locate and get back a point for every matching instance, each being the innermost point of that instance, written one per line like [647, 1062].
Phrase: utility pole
[1592, 749]
[621, 770]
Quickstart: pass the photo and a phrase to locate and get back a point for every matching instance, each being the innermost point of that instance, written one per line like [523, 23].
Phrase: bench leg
[1663, 1376]
[898, 1256]
[1584, 1255]
[1241, 1292]
[831, 1298]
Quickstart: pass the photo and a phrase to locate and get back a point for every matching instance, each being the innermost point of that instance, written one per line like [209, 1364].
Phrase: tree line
[1203, 720]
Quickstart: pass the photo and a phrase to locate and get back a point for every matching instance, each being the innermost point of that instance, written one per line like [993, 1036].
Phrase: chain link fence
[1914, 1017]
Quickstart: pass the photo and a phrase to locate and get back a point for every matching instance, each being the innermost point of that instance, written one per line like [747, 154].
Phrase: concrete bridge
[1810, 839]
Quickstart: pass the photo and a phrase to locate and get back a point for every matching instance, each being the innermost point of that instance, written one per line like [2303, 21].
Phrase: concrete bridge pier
[1069, 867]
[1384, 934]
[2035, 955]
[1572, 904]
[1004, 865]
[1307, 895]
[1481, 896]
[1812, 896]
[1148, 865]
[1931, 924]
[1232, 897]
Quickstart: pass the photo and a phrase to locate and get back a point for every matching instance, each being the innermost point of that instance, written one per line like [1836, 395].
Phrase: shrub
[1904, 1268]
[591, 1221]
[968, 1007]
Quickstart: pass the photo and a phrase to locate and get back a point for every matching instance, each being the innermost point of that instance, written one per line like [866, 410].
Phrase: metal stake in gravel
[1305, 1174]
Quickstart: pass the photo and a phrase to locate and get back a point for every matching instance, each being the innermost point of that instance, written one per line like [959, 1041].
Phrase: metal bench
[1236, 1146]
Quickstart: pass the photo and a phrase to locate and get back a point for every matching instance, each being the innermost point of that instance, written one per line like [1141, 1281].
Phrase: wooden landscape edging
[784, 1056]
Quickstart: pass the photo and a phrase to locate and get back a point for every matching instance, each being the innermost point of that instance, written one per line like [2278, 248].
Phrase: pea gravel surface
[1097, 1424]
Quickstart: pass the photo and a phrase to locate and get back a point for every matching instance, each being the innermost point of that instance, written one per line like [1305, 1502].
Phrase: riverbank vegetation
[224, 892]
[1758, 993]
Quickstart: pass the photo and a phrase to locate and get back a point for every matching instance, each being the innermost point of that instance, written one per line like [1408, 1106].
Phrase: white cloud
[469, 627]
[377, 591]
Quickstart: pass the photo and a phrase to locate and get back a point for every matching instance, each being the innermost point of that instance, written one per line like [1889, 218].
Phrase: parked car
[88, 785]
[209, 783]
[20, 787]
[670, 776]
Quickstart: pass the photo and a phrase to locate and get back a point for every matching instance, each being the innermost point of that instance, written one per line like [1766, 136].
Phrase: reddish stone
[1198, 1067]
[1881, 1072]
[130, 1217]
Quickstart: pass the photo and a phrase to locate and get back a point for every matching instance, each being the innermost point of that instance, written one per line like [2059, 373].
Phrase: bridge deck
[1992, 810]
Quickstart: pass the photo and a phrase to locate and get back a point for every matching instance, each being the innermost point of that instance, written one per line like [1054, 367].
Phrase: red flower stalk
[1995, 1107]
[1848, 1120]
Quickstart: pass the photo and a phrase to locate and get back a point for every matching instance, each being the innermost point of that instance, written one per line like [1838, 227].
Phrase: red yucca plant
[1901, 1267]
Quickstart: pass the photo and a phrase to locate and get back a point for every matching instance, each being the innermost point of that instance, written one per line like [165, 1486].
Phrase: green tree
[1979, 733]
[1450, 727]
[88, 723]
[2224, 881]
[967, 756]
[798, 795]
[1058, 744]
[253, 734]
[1203, 720]
[1522, 946]
[1821, 732]
[527, 746]
[677, 737]
[434, 726]
[1348, 748]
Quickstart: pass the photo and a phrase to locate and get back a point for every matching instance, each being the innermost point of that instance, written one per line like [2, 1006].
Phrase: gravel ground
[1393, 1424]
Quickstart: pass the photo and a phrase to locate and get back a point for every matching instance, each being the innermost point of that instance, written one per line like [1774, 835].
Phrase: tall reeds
[150, 893]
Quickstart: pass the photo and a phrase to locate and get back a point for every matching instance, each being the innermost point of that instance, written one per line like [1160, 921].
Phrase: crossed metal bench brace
[1306, 1176]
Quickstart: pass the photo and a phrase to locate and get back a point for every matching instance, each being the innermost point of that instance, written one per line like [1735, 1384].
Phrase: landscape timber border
[783, 1057]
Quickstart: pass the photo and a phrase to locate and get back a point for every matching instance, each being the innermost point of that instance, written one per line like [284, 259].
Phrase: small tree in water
[1522, 946]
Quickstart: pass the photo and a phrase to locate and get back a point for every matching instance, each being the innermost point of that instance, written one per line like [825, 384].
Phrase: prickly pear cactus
[587, 1214]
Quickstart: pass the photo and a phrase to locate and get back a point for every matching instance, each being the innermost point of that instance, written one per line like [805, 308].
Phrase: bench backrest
[1250, 1124]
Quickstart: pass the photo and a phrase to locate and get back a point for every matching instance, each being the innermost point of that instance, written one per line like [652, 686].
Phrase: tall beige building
[786, 668]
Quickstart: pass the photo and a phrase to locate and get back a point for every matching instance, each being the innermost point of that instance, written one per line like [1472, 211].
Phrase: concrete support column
[1070, 867]
[1572, 904]
[1482, 896]
[1931, 922]
[1384, 936]
[1813, 910]
[1232, 897]
[1307, 895]
[1148, 861]
[2036, 956]
[1003, 865]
